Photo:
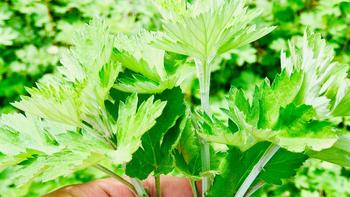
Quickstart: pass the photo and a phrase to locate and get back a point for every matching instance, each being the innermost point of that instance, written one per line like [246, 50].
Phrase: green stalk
[203, 72]
[255, 188]
[119, 178]
[139, 187]
[269, 153]
[158, 189]
[194, 188]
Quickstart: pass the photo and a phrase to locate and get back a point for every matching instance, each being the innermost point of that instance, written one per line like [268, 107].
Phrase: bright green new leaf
[325, 84]
[20, 133]
[298, 131]
[52, 100]
[146, 63]
[77, 92]
[280, 93]
[206, 29]
[136, 119]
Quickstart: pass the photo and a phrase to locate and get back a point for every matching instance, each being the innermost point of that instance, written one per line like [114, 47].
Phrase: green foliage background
[33, 32]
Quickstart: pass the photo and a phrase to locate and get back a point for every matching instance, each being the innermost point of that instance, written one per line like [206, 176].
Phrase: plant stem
[205, 155]
[203, 72]
[269, 153]
[194, 188]
[139, 187]
[158, 190]
[255, 188]
[119, 178]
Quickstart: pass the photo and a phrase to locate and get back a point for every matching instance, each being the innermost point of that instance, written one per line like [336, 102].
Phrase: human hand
[170, 187]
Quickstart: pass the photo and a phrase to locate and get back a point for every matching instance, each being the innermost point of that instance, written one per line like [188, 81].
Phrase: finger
[114, 188]
[102, 188]
[170, 186]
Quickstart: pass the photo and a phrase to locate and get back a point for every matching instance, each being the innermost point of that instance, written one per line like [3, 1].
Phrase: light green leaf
[39, 149]
[7, 35]
[138, 122]
[67, 126]
[137, 83]
[298, 131]
[146, 63]
[26, 132]
[283, 91]
[136, 54]
[206, 29]
[52, 100]
[325, 84]
[77, 93]
[339, 153]
[213, 130]
[296, 111]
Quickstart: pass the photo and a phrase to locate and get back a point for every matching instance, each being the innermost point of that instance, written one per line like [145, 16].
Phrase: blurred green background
[33, 32]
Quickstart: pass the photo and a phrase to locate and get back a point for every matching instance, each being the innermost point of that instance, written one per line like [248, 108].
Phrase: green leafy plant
[32, 34]
[204, 31]
[315, 178]
[117, 101]
[296, 112]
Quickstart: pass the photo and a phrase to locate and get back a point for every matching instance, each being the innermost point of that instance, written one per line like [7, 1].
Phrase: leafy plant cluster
[315, 178]
[130, 97]
[260, 59]
[33, 32]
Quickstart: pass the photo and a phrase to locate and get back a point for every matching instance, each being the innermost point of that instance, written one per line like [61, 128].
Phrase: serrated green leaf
[283, 91]
[149, 74]
[52, 100]
[325, 83]
[299, 131]
[78, 91]
[339, 153]
[138, 122]
[187, 154]
[39, 149]
[216, 131]
[296, 111]
[207, 29]
[154, 150]
[75, 98]
[237, 165]
[137, 83]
